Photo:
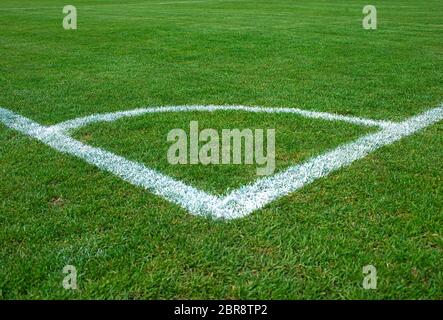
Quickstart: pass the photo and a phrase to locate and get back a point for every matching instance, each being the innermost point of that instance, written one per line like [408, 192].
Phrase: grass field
[126, 243]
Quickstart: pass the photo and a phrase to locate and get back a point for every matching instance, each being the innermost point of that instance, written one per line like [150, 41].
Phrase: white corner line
[258, 194]
[240, 202]
[192, 199]
[113, 116]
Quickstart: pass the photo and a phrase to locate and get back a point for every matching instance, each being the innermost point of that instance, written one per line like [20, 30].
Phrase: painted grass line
[113, 116]
[255, 196]
[195, 201]
[240, 202]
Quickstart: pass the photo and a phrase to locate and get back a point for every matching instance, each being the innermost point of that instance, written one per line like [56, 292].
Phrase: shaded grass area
[385, 210]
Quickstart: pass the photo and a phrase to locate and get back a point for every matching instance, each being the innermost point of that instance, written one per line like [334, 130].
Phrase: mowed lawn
[385, 210]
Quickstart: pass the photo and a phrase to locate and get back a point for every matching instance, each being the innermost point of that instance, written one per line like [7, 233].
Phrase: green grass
[385, 210]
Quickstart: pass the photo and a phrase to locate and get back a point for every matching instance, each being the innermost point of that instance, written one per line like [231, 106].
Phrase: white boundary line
[240, 202]
[112, 116]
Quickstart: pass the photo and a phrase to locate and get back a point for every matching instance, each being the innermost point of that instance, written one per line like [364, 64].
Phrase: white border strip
[175, 191]
[240, 202]
[266, 190]
[112, 116]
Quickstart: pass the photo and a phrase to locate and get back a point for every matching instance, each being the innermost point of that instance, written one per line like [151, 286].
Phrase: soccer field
[358, 112]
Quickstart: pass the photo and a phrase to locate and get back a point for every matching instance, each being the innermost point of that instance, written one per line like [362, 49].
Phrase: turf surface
[385, 210]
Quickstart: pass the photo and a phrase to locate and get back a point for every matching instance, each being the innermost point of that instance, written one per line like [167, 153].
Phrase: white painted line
[242, 201]
[112, 116]
[194, 200]
[254, 196]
